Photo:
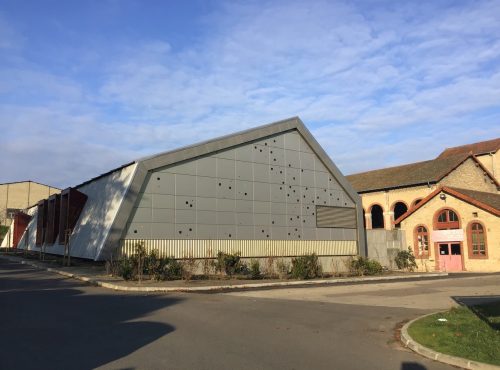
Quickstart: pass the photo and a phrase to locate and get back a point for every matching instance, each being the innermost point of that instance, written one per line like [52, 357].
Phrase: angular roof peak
[236, 138]
[487, 201]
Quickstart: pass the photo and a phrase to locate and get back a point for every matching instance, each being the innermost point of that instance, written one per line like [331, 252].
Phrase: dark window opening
[377, 217]
[443, 249]
[399, 209]
[455, 250]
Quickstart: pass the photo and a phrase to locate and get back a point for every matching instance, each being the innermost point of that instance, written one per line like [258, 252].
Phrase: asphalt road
[51, 322]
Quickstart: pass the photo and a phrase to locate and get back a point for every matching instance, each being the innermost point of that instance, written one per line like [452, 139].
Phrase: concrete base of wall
[384, 245]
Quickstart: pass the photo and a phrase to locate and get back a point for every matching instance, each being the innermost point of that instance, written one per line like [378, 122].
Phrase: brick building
[460, 186]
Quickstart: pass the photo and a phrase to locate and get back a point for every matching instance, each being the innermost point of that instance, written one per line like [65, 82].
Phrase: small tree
[306, 267]
[405, 260]
[139, 259]
[230, 263]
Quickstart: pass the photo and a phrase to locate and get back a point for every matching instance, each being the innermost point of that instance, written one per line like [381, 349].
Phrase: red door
[450, 256]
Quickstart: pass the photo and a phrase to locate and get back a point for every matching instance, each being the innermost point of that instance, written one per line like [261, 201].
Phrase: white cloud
[378, 86]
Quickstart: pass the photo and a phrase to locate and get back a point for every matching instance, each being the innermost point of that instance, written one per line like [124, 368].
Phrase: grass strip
[462, 333]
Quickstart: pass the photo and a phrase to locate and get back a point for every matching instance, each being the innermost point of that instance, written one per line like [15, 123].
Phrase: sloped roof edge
[242, 137]
[34, 182]
[456, 161]
[479, 148]
[150, 163]
[451, 191]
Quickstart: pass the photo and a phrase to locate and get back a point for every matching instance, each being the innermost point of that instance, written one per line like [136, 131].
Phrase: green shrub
[255, 269]
[154, 266]
[150, 262]
[126, 269]
[171, 269]
[132, 268]
[306, 267]
[229, 263]
[365, 266]
[405, 260]
[3, 231]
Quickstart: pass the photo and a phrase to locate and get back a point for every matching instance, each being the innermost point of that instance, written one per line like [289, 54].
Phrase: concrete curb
[438, 356]
[222, 288]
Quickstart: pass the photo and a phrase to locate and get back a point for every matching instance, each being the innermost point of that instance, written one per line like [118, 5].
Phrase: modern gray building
[268, 191]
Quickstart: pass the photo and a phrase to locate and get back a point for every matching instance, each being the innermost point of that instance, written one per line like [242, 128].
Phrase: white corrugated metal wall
[247, 248]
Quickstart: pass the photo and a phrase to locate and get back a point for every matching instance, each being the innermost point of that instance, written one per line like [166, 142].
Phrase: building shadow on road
[479, 306]
[60, 325]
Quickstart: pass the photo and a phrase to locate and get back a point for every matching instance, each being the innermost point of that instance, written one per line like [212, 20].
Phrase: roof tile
[406, 175]
[482, 147]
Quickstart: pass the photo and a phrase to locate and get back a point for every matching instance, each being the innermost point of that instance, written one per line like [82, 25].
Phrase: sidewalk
[96, 275]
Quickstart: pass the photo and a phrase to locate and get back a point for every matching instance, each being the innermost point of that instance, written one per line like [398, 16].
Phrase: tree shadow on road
[61, 326]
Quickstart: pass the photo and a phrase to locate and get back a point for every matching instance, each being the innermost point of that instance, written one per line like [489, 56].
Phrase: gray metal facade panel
[206, 166]
[226, 231]
[206, 187]
[206, 204]
[245, 232]
[185, 185]
[349, 234]
[160, 229]
[244, 206]
[244, 171]
[267, 189]
[145, 200]
[206, 217]
[143, 215]
[207, 231]
[244, 219]
[159, 201]
[163, 215]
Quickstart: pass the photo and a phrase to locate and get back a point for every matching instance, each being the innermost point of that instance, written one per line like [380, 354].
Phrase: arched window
[399, 209]
[421, 242]
[416, 201]
[477, 241]
[377, 217]
[447, 219]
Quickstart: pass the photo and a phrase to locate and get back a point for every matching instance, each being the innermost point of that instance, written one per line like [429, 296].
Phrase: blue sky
[86, 86]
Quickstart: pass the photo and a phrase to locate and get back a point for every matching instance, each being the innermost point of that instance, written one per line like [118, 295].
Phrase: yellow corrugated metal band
[247, 248]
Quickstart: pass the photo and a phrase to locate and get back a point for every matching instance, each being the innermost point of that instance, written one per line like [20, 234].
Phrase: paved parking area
[51, 322]
[439, 294]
